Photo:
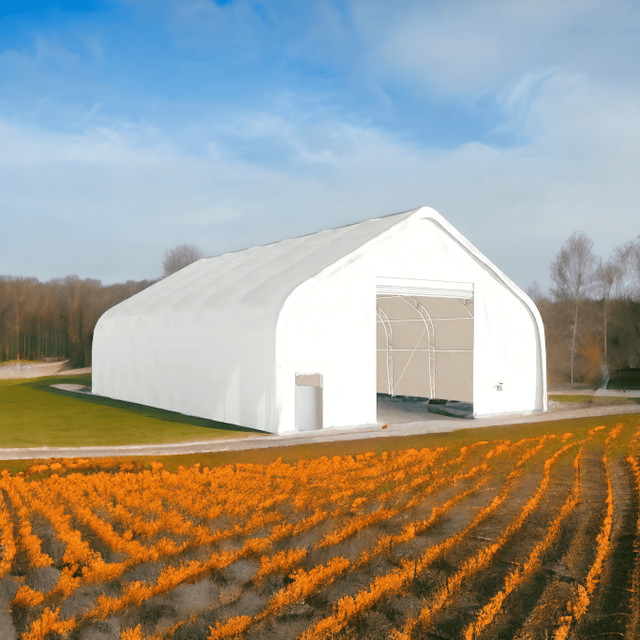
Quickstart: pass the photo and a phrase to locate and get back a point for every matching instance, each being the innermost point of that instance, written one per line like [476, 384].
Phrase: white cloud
[102, 189]
[469, 48]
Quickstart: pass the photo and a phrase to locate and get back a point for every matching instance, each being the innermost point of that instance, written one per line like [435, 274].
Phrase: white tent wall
[185, 369]
[191, 359]
[508, 374]
[180, 367]
[328, 324]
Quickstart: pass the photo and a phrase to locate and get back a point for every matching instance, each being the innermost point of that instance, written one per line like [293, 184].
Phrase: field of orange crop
[525, 537]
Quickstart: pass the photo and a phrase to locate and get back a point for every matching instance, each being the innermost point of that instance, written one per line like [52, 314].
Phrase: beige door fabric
[425, 346]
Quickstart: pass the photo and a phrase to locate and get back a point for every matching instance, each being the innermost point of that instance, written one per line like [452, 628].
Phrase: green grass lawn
[32, 414]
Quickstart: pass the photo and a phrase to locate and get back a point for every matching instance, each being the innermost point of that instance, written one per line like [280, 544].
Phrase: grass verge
[32, 414]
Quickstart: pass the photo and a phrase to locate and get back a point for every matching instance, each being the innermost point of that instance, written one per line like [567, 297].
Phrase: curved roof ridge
[324, 249]
[264, 274]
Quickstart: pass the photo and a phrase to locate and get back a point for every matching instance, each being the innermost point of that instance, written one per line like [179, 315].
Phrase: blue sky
[130, 126]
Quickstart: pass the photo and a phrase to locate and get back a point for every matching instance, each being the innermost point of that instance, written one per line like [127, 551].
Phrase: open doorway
[425, 347]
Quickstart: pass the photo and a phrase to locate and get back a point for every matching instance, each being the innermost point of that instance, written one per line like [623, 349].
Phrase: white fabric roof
[263, 275]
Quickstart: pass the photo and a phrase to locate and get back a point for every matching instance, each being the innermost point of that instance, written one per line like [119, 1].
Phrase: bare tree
[607, 276]
[628, 256]
[179, 257]
[535, 292]
[572, 271]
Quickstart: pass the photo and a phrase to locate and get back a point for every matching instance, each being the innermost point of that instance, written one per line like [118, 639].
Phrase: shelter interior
[425, 346]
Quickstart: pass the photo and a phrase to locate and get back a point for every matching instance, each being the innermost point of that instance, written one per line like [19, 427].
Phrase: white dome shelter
[303, 333]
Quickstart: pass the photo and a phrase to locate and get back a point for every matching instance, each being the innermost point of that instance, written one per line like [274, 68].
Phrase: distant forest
[590, 367]
[591, 313]
[55, 319]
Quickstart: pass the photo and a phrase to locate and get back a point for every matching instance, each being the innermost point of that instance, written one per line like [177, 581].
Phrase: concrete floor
[400, 410]
[395, 411]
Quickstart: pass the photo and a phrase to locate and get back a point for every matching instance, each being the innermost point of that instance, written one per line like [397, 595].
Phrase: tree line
[591, 312]
[55, 319]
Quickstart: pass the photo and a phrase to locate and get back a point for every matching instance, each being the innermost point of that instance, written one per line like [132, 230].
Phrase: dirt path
[38, 369]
